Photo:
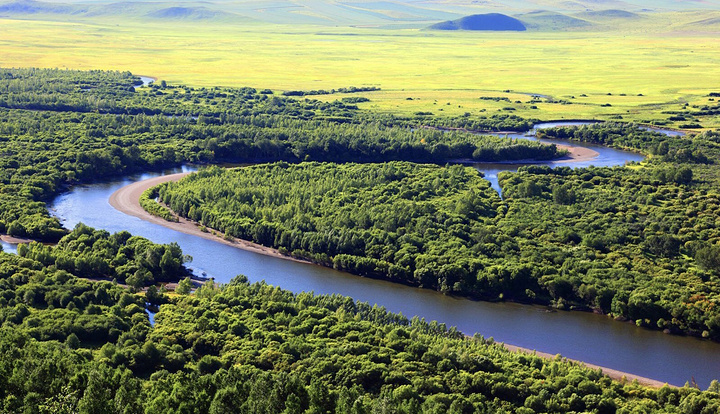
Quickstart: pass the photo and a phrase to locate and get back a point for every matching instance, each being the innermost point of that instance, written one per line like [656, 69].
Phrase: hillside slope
[489, 22]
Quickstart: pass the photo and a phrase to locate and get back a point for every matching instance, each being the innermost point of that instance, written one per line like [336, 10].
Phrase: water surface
[146, 80]
[8, 248]
[607, 157]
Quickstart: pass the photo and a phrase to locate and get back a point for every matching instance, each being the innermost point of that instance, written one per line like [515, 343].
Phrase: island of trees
[647, 253]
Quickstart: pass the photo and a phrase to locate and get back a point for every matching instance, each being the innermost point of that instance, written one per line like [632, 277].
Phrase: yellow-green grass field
[443, 72]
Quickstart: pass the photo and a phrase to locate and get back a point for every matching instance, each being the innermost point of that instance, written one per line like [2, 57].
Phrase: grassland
[639, 72]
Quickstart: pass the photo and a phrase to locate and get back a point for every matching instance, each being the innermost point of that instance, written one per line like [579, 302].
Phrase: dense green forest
[406, 222]
[68, 344]
[75, 335]
[64, 127]
[638, 243]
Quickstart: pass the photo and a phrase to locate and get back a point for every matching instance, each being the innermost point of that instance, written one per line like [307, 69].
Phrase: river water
[8, 248]
[592, 338]
[146, 80]
[607, 157]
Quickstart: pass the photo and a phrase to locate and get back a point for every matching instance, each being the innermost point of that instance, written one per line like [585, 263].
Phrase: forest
[75, 335]
[59, 128]
[648, 253]
[69, 344]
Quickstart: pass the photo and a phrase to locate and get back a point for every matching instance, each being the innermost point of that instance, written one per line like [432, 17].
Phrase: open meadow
[634, 74]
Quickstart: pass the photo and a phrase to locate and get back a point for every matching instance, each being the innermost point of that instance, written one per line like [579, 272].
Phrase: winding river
[607, 157]
[583, 336]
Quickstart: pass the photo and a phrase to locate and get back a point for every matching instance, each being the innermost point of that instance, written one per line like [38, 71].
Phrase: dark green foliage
[625, 242]
[409, 223]
[259, 349]
[351, 89]
[355, 99]
[48, 304]
[63, 127]
[91, 253]
[708, 258]
[629, 244]
[498, 122]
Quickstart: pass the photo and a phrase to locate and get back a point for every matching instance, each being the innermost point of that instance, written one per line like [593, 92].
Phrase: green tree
[563, 194]
[72, 341]
[184, 286]
[708, 258]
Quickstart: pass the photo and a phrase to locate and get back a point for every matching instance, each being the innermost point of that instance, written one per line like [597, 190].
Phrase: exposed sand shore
[577, 154]
[127, 200]
[612, 373]
[14, 240]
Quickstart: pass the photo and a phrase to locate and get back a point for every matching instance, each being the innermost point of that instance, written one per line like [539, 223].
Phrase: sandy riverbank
[127, 200]
[612, 373]
[14, 240]
[577, 154]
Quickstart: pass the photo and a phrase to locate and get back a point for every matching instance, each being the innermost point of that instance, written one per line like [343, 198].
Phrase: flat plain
[635, 73]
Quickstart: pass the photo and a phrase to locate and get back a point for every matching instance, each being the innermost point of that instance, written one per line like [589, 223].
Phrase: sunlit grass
[644, 74]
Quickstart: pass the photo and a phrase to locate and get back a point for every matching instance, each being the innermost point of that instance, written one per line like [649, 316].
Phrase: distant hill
[489, 15]
[489, 21]
[707, 22]
[711, 21]
[190, 13]
[35, 7]
[548, 20]
[127, 10]
[609, 14]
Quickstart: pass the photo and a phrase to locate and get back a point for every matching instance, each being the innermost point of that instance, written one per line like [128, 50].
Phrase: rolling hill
[495, 15]
[488, 22]
[191, 13]
[549, 20]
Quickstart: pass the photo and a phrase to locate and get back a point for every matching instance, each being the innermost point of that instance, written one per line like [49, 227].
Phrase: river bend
[583, 336]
